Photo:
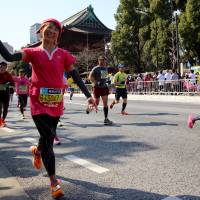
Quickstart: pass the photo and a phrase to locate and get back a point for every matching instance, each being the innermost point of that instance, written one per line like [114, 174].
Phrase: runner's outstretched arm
[80, 83]
[8, 56]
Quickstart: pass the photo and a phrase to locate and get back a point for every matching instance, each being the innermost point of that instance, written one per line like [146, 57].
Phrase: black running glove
[80, 83]
[7, 55]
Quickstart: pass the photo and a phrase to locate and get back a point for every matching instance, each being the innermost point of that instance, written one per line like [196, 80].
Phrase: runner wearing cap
[121, 91]
[5, 81]
[22, 88]
[99, 76]
[46, 97]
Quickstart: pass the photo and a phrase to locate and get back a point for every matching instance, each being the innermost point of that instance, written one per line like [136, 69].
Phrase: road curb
[159, 98]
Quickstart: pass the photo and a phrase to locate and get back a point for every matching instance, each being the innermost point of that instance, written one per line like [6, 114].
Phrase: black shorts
[22, 100]
[121, 92]
[11, 90]
[4, 96]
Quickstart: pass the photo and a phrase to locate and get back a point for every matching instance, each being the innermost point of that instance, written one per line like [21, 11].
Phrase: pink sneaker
[56, 141]
[124, 113]
[190, 121]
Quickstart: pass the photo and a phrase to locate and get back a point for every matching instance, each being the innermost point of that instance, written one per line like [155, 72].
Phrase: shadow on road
[155, 114]
[150, 124]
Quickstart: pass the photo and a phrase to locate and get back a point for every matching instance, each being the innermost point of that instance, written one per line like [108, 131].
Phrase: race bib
[22, 88]
[50, 97]
[2, 87]
[104, 74]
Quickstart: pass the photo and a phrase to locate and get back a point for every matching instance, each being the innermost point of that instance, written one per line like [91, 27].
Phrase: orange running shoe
[3, 123]
[37, 161]
[56, 190]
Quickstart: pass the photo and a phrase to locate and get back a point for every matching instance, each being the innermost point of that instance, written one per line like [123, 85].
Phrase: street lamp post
[156, 45]
[175, 48]
[87, 53]
[177, 42]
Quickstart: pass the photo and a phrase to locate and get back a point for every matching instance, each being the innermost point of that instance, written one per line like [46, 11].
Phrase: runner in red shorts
[98, 76]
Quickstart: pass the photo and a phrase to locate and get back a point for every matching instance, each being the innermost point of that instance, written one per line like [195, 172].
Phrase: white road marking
[77, 160]
[86, 164]
[171, 198]
[24, 157]
[78, 103]
[31, 140]
[9, 130]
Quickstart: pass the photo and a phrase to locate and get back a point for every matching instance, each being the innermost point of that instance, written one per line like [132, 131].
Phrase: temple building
[84, 31]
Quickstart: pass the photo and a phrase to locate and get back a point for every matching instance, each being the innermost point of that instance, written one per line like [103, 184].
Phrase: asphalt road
[149, 154]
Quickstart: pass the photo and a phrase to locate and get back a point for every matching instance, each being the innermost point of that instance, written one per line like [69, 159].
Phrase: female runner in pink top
[46, 97]
[22, 90]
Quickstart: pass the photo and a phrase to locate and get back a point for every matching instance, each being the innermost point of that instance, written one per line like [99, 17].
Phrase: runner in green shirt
[121, 91]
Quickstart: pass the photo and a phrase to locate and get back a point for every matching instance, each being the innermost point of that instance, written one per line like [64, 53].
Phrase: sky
[16, 16]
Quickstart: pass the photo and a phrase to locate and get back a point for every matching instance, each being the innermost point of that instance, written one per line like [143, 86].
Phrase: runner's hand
[92, 105]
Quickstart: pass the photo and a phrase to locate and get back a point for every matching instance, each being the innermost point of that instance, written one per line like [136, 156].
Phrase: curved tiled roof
[84, 21]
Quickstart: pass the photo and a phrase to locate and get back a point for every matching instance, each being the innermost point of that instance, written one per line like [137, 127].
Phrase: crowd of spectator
[169, 81]
[164, 81]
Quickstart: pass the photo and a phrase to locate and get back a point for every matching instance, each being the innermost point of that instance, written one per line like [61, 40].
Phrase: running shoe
[56, 190]
[107, 122]
[3, 123]
[87, 110]
[23, 117]
[124, 113]
[111, 105]
[190, 121]
[56, 141]
[60, 124]
[37, 161]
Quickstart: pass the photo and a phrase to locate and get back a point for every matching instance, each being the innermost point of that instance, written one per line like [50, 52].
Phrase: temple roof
[87, 22]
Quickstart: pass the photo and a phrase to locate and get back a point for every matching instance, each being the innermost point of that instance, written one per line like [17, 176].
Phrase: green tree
[189, 27]
[143, 36]
[179, 4]
[157, 47]
[125, 43]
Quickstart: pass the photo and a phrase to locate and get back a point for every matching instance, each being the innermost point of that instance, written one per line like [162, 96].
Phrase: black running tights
[4, 103]
[46, 126]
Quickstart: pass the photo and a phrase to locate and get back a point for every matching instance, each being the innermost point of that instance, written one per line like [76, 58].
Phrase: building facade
[34, 37]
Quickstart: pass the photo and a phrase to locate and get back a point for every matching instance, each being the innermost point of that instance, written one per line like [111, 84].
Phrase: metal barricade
[169, 87]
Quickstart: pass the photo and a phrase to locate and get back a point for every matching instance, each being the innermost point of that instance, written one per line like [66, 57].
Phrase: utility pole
[173, 47]
[87, 54]
[156, 43]
[177, 43]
